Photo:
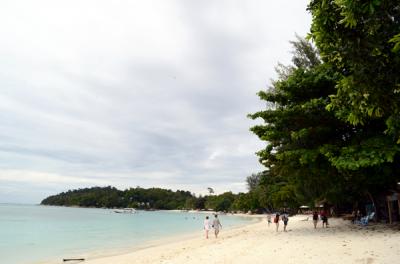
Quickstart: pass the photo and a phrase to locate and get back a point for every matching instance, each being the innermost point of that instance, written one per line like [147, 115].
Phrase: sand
[342, 242]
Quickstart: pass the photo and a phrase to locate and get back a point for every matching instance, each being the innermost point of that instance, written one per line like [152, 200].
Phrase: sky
[136, 93]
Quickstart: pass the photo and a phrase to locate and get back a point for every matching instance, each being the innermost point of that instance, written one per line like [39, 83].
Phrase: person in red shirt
[276, 221]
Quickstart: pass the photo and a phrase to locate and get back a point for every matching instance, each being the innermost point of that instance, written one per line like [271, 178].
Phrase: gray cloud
[149, 93]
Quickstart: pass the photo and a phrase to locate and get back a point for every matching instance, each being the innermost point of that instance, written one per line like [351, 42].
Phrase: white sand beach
[342, 242]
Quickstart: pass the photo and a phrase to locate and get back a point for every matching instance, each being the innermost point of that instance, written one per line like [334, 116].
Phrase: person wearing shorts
[315, 219]
[285, 220]
[216, 225]
[324, 218]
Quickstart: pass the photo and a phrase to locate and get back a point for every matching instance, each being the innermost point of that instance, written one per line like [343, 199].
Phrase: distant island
[151, 198]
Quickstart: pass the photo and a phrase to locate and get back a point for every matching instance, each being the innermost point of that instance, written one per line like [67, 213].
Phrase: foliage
[253, 181]
[360, 39]
[152, 198]
[335, 124]
[296, 131]
[111, 197]
[93, 197]
[220, 202]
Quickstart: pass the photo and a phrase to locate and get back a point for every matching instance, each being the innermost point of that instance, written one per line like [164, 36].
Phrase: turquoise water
[36, 234]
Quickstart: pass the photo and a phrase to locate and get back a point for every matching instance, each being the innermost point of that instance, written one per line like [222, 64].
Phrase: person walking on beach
[269, 219]
[324, 218]
[206, 226]
[354, 216]
[315, 219]
[216, 225]
[285, 220]
[276, 221]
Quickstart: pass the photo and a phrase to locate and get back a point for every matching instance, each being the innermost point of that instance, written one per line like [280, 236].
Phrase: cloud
[40, 178]
[127, 93]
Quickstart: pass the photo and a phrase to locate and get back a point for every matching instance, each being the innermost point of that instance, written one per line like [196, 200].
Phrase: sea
[48, 234]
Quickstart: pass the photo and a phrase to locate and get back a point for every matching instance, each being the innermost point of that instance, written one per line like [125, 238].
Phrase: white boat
[125, 211]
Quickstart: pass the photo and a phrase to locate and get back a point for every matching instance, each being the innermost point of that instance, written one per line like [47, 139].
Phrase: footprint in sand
[365, 260]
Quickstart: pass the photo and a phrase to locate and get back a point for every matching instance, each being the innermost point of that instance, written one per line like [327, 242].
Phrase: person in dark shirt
[324, 217]
[315, 219]
[285, 220]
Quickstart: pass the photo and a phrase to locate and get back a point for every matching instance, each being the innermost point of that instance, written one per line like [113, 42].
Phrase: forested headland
[151, 198]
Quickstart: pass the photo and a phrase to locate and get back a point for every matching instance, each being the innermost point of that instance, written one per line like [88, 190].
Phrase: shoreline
[98, 254]
[173, 239]
[163, 241]
[255, 242]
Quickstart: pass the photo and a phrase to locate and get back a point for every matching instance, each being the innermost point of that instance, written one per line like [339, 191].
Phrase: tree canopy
[297, 128]
[361, 41]
[110, 197]
[151, 198]
[315, 149]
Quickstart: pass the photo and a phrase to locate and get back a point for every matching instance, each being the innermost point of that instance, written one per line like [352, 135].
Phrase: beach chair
[365, 220]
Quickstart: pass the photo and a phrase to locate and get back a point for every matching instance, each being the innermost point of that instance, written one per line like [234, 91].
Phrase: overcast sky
[135, 93]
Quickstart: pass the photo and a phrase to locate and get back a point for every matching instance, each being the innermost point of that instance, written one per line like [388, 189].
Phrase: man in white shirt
[217, 225]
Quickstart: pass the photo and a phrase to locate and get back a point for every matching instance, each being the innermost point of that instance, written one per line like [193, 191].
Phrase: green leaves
[393, 126]
[294, 129]
[361, 40]
[336, 123]
[396, 42]
[368, 153]
[350, 10]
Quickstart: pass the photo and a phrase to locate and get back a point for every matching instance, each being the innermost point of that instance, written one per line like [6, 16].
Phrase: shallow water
[35, 234]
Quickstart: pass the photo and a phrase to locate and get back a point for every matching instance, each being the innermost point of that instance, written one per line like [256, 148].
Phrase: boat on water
[125, 211]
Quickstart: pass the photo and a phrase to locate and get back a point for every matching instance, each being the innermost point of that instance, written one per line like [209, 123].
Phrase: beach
[342, 242]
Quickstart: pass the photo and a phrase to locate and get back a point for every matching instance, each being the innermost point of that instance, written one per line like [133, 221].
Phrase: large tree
[312, 152]
[297, 127]
[360, 41]
[358, 38]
